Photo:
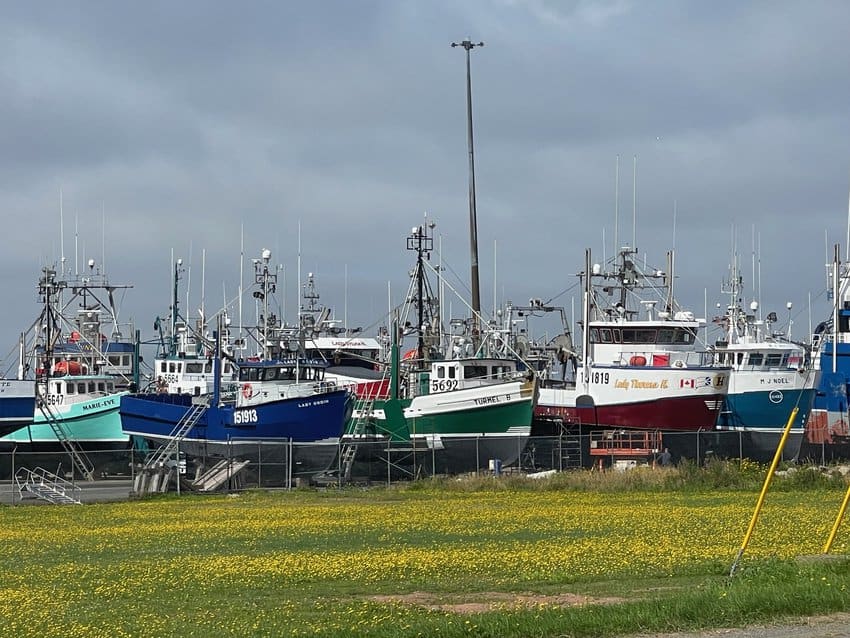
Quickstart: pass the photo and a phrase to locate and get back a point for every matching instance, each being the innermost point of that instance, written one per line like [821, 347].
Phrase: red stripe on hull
[683, 414]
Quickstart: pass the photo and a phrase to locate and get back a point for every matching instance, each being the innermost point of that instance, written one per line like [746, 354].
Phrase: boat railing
[664, 359]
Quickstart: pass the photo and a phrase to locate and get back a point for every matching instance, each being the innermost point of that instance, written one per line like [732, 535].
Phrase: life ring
[247, 393]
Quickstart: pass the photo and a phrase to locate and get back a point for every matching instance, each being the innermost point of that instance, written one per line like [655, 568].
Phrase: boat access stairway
[79, 459]
[163, 466]
[46, 486]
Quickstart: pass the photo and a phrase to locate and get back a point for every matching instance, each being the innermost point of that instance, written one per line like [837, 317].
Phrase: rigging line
[561, 294]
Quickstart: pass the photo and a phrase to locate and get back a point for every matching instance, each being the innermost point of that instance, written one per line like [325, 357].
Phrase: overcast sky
[177, 126]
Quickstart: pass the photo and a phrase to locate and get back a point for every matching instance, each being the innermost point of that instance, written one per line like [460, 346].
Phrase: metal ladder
[363, 409]
[569, 451]
[186, 423]
[47, 486]
[79, 459]
[156, 472]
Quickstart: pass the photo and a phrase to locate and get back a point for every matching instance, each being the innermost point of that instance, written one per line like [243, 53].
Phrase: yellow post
[766, 485]
[837, 524]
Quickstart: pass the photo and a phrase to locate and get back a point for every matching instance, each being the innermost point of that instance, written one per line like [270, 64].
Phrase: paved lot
[832, 626]
[105, 490]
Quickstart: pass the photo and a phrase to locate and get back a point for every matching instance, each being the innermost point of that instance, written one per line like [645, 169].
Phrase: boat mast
[468, 45]
[587, 294]
[836, 269]
[174, 301]
[267, 282]
[423, 243]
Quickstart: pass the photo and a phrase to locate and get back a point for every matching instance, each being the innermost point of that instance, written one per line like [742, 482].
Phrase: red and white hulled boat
[636, 372]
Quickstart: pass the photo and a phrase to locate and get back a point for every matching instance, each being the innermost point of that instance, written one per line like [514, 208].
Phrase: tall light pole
[473, 223]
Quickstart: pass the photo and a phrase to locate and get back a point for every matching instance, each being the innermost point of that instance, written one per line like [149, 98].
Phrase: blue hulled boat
[771, 375]
[828, 432]
[274, 404]
[17, 404]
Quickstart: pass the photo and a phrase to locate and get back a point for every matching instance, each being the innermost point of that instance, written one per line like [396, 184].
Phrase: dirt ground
[832, 626]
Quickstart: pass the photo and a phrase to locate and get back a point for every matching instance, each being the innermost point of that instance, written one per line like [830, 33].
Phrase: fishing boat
[771, 375]
[639, 368]
[17, 404]
[183, 363]
[453, 407]
[354, 360]
[277, 404]
[827, 433]
[77, 388]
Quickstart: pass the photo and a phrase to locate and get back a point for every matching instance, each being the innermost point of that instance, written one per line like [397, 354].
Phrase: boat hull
[448, 433]
[653, 398]
[304, 431]
[92, 422]
[17, 404]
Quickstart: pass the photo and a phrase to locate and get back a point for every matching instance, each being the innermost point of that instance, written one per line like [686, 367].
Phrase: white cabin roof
[351, 344]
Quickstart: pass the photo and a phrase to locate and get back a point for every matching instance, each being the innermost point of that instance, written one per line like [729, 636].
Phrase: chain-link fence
[263, 464]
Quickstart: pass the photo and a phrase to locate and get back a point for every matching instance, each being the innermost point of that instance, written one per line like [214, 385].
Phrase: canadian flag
[686, 383]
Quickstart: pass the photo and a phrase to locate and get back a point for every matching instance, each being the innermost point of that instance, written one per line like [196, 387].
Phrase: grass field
[480, 558]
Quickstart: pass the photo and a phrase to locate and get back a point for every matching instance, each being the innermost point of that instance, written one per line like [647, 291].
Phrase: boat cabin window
[110, 387]
[441, 372]
[208, 367]
[194, 368]
[91, 387]
[125, 360]
[162, 366]
[452, 372]
[474, 372]
[70, 389]
[665, 335]
[101, 386]
[172, 367]
[114, 360]
[740, 358]
[638, 335]
[58, 388]
[249, 374]
[81, 388]
[773, 360]
[756, 359]
[601, 335]
[684, 335]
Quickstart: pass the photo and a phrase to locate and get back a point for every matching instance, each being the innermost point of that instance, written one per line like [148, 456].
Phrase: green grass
[580, 555]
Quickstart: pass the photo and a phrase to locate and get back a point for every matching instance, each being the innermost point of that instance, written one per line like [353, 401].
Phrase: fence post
[519, 452]
[13, 482]
[259, 464]
[740, 448]
[699, 463]
[177, 469]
